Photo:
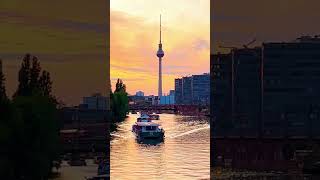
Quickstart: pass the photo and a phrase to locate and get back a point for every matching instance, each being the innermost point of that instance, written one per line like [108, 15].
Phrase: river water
[184, 154]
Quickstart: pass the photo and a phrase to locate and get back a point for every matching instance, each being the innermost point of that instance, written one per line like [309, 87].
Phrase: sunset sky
[235, 23]
[135, 36]
[69, 38]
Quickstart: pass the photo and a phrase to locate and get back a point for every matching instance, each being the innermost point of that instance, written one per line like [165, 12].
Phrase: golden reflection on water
[184, 154]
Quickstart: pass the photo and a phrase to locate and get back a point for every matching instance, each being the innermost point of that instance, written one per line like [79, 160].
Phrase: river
[184, 154]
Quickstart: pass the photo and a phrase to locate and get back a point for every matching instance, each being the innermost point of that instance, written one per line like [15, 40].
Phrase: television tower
[160, 54]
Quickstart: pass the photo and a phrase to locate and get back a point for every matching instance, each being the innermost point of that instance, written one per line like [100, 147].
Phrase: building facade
[291, 99]
[220, 105]
[168, 99]
[178, 90]
[200, 89]
[96, 101]
[193, 90]
[269, 90]
[139, 93]
[187, 90]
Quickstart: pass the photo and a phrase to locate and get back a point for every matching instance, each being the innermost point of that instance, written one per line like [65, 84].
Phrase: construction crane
[249, 43]
[234, 48]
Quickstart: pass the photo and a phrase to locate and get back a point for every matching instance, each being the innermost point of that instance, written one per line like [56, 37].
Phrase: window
[150, 128]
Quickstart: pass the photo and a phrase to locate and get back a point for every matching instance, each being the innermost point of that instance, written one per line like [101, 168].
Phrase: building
[282, 100]
[178, 90]
[246, 91]
[220, 93]
[96, 101]
[200, 88]
[187, 90]
[143, 100]
[172, 92]
[139, 93]
[193, 90]
[291, 99]
[265, 105]
[167, 99]
[153, 100]
[85, 125]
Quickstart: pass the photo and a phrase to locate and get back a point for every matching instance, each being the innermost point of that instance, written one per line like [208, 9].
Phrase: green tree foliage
[34, 76]
[3, 95]
[31, 139]
[24, 77]
[119, 103]
[29, 132]
[30, 81]
[120, 87]
[45, 83]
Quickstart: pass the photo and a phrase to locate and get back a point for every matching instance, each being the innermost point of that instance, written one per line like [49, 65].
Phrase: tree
[34, 75]
[37, 134]
[29, 129]
[30, 81]
[45, 84]
[119, 103]
[24, 78]
[3, 95]
[120, 86]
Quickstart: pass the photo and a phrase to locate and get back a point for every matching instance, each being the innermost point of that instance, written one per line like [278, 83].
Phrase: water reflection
[151, 142]
[183, 154]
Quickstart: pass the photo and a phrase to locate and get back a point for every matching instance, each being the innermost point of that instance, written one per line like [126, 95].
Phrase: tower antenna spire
[160, 28]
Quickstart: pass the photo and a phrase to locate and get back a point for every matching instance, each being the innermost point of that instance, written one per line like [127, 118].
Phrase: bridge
[176, 109]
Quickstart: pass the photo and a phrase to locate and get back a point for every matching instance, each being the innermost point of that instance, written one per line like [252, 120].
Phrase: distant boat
[154, 116]
[144, 118]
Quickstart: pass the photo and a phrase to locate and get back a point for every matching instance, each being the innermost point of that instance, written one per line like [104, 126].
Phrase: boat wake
[190, 132]
[120, 136]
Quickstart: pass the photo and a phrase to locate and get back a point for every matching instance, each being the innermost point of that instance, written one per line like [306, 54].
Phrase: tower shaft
[160, 78]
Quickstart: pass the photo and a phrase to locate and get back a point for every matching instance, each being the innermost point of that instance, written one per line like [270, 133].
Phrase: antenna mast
[160, 28]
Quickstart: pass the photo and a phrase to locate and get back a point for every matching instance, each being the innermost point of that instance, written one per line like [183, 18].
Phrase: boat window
[150, 128]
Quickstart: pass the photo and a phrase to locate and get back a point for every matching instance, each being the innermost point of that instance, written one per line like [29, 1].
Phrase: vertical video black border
[212, 145]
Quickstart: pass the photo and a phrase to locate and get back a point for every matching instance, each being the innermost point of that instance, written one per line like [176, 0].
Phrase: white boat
[144, 118]
[154, 116]
[148, 130]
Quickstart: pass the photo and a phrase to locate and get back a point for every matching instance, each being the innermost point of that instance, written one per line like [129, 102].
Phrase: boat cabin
[144, 118]
[148, 126]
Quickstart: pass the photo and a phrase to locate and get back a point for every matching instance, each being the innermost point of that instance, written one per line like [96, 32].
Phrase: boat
[144, 118]
[154, 116]
[148, 130]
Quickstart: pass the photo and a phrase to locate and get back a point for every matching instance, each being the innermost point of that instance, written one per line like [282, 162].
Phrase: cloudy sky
[135, 36]
[68, 37]
[236, 23]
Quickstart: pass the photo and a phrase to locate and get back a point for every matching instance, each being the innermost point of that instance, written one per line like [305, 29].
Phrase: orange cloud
[134, 42]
